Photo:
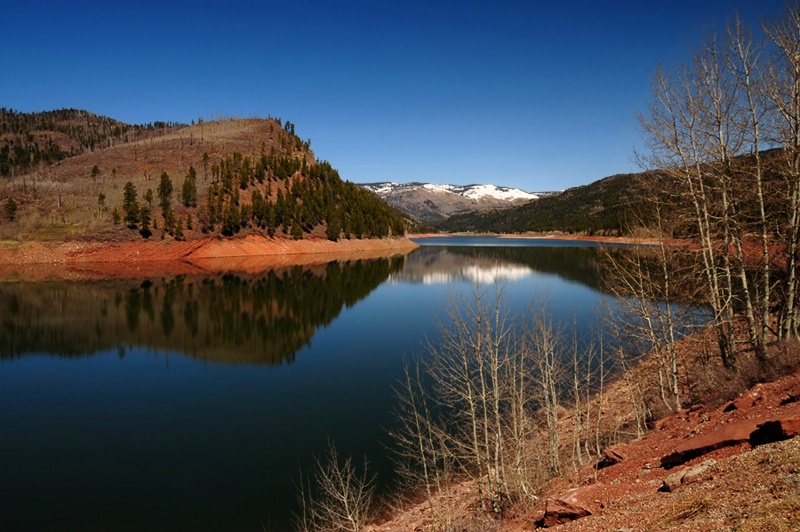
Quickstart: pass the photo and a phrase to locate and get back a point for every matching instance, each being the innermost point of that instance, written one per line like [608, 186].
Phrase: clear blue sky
[535, 95]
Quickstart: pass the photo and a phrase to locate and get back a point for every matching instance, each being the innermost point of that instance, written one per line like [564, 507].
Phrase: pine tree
[334, 229]
[144, 217]
[130, 205]
[165, 191]
[189, 189]
[11, 209]
[231, 222]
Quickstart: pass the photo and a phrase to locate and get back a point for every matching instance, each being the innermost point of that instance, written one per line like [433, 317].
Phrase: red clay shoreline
[250, 254]
[85, 260]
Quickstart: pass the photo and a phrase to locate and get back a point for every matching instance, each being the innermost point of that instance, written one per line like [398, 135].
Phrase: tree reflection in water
[254, 319]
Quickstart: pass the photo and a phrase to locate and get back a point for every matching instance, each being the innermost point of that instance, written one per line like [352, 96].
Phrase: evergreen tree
[231, 222]
[130, 205]
[11, 209]
[179, 229]
[189, 189]
[334, 229]
[165, 191]
[144, 218]
[296, 230]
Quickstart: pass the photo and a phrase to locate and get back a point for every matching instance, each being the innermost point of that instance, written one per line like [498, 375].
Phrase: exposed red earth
[250, 254]
[732, 467]
[729, 477]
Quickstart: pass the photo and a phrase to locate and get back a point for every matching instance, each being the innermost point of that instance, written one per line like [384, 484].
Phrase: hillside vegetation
[604, 207]
[30, 140]
[73, 175]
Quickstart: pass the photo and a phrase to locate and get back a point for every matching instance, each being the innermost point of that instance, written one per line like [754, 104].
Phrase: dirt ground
[251, 254]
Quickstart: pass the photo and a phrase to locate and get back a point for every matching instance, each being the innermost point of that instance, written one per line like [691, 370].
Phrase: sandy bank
[250, 254]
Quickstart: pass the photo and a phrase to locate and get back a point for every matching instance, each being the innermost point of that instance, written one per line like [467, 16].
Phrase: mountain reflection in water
[477, 264]
[258, 319]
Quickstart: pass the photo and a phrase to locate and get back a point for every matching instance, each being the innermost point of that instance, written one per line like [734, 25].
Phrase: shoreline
[552, 236]
[36, 261]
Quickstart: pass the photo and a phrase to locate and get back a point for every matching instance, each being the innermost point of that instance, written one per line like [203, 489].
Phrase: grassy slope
[62, 201]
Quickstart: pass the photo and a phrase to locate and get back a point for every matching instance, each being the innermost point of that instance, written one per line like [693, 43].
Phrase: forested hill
[29, 140]
[602, 207]
[90, 177]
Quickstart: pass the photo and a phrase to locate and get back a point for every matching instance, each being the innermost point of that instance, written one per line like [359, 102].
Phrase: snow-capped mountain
[429, 203]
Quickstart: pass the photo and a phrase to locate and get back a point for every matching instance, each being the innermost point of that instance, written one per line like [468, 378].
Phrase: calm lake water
[192, 403]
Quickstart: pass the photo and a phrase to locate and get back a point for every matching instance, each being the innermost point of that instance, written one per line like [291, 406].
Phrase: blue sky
[536, 95]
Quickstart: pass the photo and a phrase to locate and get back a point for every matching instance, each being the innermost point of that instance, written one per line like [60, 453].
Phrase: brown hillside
[61, 202]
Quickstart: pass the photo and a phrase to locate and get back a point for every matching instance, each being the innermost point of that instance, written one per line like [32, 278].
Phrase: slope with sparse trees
[229, 177]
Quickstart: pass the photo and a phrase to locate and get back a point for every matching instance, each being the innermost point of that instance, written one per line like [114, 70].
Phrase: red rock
[775, 430]
[612, 455]
[563, 509]
[686, 476]
[744, 401]
[558, 512]
[725, 435]
[792, 395]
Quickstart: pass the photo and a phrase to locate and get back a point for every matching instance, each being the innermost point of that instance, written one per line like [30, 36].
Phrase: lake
[193, 402]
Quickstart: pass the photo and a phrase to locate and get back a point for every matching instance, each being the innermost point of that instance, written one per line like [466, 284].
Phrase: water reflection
[438, 264]
[256, 319]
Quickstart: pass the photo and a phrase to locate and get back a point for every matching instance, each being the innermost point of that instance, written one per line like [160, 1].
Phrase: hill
[31, 140]
[603, 207]
[94, 178]
[430, 203]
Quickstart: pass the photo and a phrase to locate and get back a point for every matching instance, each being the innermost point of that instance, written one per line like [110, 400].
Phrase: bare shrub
[338, 497]
[485, 403]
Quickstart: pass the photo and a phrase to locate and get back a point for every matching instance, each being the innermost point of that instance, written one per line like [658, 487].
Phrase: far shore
[554, 236]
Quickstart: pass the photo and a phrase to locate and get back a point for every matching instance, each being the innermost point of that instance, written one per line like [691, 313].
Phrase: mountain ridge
[603, 207]
[430, 203]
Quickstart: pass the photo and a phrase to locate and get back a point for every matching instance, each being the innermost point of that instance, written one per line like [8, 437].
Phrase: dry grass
[682, 511]
[713, 384]
[62, 201]
[10, 245]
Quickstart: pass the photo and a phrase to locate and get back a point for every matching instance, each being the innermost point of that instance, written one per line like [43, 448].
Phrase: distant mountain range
[431, 203]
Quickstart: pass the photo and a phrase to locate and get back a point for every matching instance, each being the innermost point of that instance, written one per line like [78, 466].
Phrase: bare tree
[466, 408]
[707, 129]
[642, 279]
[423, 459]
[781, 87]
[338, 498]
[544, 342]
[465, 367]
